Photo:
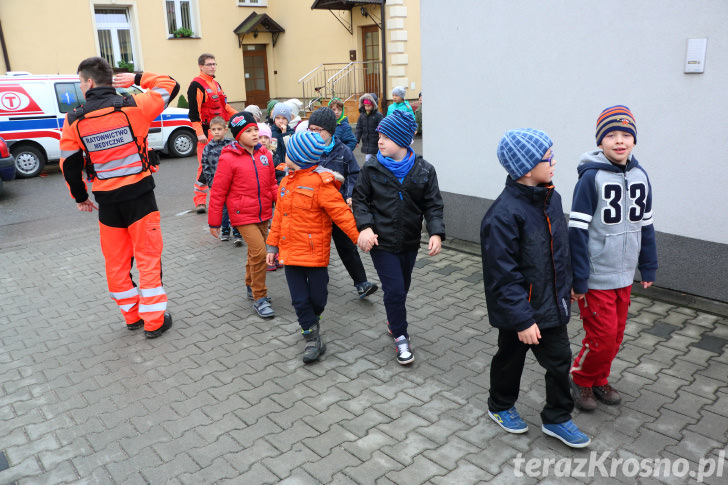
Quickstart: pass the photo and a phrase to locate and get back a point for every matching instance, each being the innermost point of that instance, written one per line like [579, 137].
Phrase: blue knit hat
[281, 109]
[521, 150]
[305, 148]
[399, 127]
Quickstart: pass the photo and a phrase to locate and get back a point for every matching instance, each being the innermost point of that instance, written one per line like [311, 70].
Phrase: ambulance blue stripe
[21, 125]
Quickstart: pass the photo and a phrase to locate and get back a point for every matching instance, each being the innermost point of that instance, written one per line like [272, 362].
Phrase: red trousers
[604, 315]
[141, 240]
[201, 190]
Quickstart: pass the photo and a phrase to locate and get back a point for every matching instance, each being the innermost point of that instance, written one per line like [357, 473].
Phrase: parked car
[7, 164]
[33, 109]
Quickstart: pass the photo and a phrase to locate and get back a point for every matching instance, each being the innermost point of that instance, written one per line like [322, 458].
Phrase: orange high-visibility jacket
[206, 100]
[308, 201]
[106, 137]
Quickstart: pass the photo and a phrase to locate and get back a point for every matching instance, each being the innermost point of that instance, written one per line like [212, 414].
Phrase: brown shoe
[201, 208]
[583, 396]
[607, 395]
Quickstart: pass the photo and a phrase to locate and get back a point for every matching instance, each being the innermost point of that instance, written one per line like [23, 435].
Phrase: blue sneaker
[568, 433]
[509, 420]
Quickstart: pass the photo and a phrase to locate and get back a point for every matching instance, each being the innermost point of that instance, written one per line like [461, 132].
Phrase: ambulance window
[69, 96]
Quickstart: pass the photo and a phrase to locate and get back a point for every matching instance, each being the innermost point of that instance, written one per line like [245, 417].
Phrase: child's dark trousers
[554, 355]
[309, 291]
[395, 274]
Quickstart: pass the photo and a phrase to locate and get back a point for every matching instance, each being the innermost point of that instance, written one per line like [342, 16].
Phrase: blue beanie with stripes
[400, 127]
[521, 150]
[305, 148]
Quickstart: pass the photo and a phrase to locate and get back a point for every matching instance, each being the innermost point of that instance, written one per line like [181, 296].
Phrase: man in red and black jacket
[107, 138]
[207, 100]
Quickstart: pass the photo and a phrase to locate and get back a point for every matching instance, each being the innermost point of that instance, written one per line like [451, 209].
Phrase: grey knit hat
[399, 91]
[325, 118]
[281, 109]
[257, 114]
[519, 151]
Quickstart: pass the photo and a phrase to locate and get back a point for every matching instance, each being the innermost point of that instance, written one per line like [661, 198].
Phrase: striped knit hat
[521, 150]
[616, 118]
[305, 149]
[399, 127]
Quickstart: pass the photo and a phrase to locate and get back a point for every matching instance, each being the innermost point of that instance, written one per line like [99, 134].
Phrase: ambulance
[33, 109]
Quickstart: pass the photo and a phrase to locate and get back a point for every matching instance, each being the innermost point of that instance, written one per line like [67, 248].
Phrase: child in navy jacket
[527, 278]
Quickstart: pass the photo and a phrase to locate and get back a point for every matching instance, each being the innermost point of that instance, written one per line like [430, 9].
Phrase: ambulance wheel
[182, 143]
[29, 161]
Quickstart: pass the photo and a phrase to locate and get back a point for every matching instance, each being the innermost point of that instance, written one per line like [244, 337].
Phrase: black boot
[315, 347]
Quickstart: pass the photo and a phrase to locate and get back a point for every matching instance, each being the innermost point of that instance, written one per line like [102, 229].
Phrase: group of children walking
[534, 265]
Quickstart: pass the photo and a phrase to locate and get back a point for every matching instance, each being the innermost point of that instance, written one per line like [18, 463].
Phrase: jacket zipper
[310, 242]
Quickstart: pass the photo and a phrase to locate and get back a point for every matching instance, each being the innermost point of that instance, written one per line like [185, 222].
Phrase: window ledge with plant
[183, 33]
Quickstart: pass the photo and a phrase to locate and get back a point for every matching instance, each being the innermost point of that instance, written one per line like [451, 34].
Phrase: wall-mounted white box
[695, 56]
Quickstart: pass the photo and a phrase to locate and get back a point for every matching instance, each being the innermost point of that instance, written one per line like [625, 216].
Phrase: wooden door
[255, 64]
[371, 57]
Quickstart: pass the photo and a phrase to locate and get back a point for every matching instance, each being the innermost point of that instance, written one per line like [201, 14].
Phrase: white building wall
[489, 66]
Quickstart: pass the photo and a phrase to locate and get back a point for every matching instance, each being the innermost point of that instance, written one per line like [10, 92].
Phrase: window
[115, 39]
[69, 96]
[179, 16]
[252, 3]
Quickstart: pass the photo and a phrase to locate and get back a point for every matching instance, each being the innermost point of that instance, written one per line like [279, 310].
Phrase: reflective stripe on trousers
[201, 191]
[141, 241]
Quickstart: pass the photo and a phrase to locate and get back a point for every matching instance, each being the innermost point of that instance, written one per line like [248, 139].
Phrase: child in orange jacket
[300, 236]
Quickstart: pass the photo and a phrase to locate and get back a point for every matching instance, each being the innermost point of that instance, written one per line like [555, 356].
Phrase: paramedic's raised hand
[530, 336]
[367, 239]
[123, 79]
[86, 206]
[435, 245]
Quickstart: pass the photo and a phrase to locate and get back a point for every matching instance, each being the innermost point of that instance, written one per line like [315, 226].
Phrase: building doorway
[255, 64]
[372, 60]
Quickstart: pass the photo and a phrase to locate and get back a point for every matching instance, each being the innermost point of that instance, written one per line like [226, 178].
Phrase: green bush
[129, 66]
[182, 102]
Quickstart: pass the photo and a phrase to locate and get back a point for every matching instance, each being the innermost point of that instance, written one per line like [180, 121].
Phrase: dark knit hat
[305, 148]
[521, 150]
[615, 118]
[399, 127]
[325, 118]
[240, 121]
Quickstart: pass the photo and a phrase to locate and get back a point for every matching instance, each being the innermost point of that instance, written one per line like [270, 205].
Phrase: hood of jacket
[370, 98]
[596, 160]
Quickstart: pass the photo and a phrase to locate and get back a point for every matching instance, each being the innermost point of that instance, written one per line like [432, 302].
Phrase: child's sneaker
[568, 433]
[509, 420]
[404, 350]
[249, 291]
[225, 235]
[365, 289]
[271, 267]
[278, 264]
[238, 240]
[607, 394]
[263, 308]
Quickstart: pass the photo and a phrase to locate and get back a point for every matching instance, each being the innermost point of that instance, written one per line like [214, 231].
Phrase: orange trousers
[140, 241]
[201, 190]
[256, 268]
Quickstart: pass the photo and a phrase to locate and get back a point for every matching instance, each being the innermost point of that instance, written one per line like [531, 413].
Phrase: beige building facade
[264, 48]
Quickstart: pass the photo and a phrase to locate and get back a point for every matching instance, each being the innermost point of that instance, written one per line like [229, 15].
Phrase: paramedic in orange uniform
[106, 137]
[206, 101]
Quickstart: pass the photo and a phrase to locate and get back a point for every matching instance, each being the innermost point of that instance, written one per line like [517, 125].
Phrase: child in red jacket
[301, 232]
[245, 182]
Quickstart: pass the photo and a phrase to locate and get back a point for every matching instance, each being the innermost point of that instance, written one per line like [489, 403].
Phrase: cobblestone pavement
[224, 397]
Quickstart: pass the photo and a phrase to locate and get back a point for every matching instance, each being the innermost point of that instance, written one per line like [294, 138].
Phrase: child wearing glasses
[527, 278]
[611, 233]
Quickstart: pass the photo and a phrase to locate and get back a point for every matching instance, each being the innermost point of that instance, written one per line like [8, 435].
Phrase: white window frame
[114, 27]
[194, 24]
[249, 3]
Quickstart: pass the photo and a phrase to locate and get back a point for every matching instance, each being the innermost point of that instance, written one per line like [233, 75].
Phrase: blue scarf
[398, 169]
[330, 146]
